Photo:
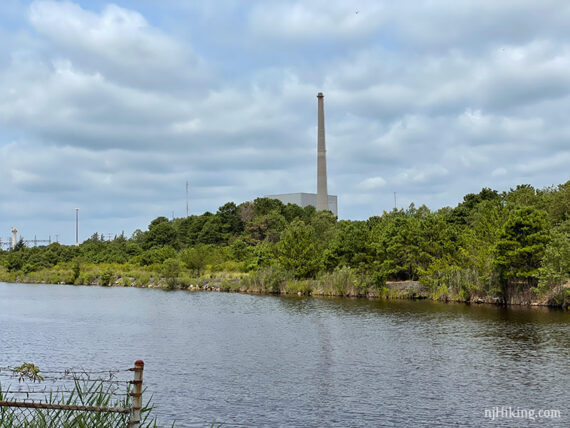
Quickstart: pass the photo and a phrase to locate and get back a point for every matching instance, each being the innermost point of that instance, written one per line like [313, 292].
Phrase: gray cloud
[109, 109]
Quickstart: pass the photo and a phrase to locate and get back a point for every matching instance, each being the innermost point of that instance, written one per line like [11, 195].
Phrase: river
[250, 360]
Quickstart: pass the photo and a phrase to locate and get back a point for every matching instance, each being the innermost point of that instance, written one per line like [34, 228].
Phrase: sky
[112, 107]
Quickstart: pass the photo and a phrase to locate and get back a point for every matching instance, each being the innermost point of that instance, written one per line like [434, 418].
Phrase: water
[278, 361]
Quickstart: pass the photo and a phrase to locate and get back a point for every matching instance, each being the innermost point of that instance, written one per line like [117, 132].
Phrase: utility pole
[77, 227]
[186, 199]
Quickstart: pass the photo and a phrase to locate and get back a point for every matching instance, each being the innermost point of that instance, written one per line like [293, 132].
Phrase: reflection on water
[292, 361]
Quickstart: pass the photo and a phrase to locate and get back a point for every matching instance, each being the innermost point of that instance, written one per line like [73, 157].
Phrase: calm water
[276, 361]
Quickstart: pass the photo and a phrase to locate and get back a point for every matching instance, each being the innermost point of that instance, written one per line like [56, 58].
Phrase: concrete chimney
[14, 237]
[322, 192]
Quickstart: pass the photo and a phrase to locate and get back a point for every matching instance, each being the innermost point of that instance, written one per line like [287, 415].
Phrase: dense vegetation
[490, 245]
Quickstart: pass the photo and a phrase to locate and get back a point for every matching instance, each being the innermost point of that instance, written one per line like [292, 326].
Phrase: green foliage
[487, 244]
[28, 371]
[155, 255]
[406, 242]
[20, 245]
[297, 251]
[301, 287]
[76, 270]
[170, 271]
[106, 278]
[263, 206]
[196, 258]
[350, 246]
[555, 266]
[14, 261]
[231, 223]
[84, 393]
[522, 244]
[160, 233]
[270, 279]
[341, 280]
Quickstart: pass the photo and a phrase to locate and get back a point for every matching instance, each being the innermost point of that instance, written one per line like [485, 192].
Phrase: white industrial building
[305, 199]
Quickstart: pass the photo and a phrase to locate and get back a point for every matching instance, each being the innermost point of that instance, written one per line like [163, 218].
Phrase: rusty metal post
[136, 394]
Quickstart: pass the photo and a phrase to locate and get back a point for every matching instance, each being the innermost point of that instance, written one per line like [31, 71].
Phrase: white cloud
[119, 43]
[300, 20]
[499, 172]
[421, 174]
[114, 110]
[372, 183]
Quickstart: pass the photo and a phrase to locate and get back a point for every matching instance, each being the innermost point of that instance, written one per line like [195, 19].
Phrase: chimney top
[320, 95]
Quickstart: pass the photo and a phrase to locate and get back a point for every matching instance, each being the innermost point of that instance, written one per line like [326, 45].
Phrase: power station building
[321, 200]
[305, 199]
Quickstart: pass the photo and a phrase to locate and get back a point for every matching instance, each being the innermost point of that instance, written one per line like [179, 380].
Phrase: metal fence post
[135, 417]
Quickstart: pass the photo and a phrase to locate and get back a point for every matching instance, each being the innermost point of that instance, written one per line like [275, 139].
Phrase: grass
[83, 393]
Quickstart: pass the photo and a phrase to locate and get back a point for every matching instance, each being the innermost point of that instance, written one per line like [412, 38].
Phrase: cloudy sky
[112, 107]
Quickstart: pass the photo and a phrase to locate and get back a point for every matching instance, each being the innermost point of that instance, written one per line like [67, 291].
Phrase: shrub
[269, 279]
[142, 279]
[184, 281]
[106, 277]
[340, 282]
[170, 271]
[303, 287]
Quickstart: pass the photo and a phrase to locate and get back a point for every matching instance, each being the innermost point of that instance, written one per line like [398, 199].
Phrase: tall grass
[83, 393]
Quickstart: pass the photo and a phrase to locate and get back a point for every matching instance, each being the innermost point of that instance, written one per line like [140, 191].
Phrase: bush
[170, 271]
[340, 282]
[105, 278]
[184, 281]
[142, 279]
[303, 287]
[270, 279]
[226, 285]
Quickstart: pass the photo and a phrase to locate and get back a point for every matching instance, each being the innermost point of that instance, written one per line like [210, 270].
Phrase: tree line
[489, 244]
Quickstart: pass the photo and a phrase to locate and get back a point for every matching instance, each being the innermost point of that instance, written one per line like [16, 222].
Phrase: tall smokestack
[14, 237]
[322, 192]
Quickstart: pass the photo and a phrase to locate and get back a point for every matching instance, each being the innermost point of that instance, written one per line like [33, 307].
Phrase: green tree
[521, 246]
[556, 201]
[292, 212]
[324, 223]
[240, 251]
[170, 271]
[267, 227]
[211, 232]
[461, 213]
[297, 251]
[15, 261]
[524, 195]
[196, 258]
[555, 266]
[20, 245]
[263, 206]
[230, 219]
[160, 232]
[400, 246]
[106, 277]
[350, 246]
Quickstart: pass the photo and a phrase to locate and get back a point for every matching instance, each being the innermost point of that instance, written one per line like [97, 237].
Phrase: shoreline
[392, 290]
